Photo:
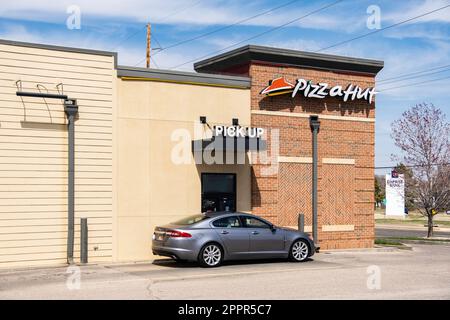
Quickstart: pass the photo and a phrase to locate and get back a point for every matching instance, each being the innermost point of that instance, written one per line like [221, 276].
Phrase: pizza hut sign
[318, 90]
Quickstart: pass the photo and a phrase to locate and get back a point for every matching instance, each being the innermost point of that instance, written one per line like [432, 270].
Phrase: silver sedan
[212, 238]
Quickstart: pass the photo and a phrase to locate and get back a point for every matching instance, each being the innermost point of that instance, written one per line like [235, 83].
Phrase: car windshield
[191, 219]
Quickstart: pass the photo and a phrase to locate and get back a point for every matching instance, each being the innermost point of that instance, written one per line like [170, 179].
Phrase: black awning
[230, 144]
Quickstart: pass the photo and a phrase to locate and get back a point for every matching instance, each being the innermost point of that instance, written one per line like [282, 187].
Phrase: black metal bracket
[41, 95]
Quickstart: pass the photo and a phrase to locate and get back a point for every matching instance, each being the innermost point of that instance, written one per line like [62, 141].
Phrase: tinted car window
[228, 222]
[255, 223]
[191, 219]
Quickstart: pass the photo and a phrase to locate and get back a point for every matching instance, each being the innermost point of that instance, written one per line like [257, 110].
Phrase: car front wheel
[299, 251]
[210, 255]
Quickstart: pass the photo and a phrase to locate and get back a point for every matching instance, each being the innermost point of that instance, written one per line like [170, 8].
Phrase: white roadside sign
[395, 195]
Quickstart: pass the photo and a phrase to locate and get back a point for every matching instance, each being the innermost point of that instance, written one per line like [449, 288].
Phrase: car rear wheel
[299, 251]
[211, 255]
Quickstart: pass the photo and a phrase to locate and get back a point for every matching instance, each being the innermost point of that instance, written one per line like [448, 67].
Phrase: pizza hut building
[264, 130]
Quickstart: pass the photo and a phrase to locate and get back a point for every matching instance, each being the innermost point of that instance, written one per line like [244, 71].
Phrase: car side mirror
[272, 227]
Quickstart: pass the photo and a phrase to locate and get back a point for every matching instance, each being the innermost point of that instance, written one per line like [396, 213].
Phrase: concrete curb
[368, 250]
[429, 242]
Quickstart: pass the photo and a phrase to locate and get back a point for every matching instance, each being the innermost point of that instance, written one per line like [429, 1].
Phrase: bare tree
[423, 135]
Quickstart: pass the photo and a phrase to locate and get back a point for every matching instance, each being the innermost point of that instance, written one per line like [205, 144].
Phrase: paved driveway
[421, 273]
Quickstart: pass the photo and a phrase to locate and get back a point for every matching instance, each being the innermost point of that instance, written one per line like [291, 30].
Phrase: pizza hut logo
[318, 90]
[278, 86]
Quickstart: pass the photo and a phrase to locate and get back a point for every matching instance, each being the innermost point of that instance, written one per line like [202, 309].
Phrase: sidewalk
[439, 217]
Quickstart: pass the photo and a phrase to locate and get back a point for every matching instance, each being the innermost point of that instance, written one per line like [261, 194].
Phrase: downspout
[71, 110]
[314, 124]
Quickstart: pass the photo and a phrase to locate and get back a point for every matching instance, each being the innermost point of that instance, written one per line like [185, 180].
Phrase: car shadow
[170, 263]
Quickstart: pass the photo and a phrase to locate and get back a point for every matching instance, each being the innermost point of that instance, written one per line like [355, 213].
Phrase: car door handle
[224, 232]
[255, 232]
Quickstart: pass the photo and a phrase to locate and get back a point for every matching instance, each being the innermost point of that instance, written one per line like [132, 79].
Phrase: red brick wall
[345, 191]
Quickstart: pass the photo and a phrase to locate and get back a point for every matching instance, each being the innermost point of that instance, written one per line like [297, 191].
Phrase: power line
[179, 11]
[260, 34]
[156, 40]
[152, 59]
[418, 76]
[151, 56]
[414, 165]
[158, 21]
[412, 73]
[227, 26]
[129, 37]
[382, 29]
[415, 84]
[415, 77]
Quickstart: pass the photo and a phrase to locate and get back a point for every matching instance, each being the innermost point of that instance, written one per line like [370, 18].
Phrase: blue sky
[115, 25]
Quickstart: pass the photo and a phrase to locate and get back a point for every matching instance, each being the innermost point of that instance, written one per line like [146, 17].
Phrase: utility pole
[149, 31]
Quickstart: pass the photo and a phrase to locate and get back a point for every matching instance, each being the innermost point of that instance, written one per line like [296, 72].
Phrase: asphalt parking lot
[387, 273]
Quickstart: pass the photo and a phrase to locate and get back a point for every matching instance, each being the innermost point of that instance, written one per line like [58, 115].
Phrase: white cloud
[419, 32]
[18, 33]
[178, 12]
[416, 10]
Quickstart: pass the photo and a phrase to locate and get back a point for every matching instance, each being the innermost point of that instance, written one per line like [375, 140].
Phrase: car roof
[223, 213]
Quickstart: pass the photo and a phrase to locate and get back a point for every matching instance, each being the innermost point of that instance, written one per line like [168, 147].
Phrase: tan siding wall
[33, 155]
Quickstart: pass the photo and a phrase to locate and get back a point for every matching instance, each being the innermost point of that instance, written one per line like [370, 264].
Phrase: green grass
[398, 239]
[397, 242]
[388, 242]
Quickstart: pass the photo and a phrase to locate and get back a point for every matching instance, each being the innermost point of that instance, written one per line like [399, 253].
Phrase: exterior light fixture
[202, 119]
[235, 121]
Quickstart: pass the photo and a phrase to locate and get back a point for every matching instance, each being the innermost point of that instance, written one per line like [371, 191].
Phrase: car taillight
[177, 234]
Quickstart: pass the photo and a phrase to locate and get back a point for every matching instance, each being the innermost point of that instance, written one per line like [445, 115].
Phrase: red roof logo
[278, 86]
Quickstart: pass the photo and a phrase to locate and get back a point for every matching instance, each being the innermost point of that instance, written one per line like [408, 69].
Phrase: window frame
[244, 222]
[231, 216]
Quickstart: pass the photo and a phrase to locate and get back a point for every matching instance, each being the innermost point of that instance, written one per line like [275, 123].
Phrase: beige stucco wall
[33, 154]
[151, 189]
